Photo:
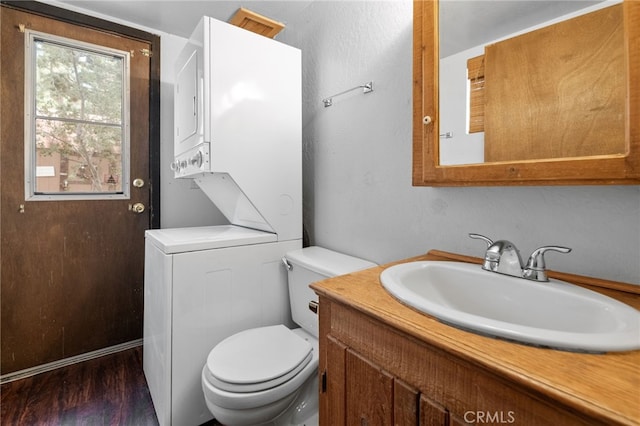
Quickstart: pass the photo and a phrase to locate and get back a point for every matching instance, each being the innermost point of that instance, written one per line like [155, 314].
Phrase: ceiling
[180, 17]
[464, 23]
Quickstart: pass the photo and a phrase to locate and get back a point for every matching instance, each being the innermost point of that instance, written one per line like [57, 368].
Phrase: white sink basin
[553, 314]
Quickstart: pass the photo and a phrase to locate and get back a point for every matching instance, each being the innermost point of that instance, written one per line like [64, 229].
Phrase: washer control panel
[192, 162]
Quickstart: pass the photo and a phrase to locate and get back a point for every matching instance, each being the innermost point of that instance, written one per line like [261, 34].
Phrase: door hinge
[323, 379]
[146, 52]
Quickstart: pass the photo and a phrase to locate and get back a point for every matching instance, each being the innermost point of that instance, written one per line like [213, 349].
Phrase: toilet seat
[253, 361]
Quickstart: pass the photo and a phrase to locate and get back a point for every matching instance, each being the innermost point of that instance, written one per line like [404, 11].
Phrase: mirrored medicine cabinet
[549, 102]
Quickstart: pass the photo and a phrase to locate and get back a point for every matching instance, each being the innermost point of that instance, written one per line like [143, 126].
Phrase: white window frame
[30, 115]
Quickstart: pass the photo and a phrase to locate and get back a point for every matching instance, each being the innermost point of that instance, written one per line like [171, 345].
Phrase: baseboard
[23, 374]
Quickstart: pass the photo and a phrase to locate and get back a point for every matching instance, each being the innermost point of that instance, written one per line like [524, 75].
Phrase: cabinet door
[458, 421]
[432, 413]
[369, 392]
[333, 397]
[361, 392]
[405, 404]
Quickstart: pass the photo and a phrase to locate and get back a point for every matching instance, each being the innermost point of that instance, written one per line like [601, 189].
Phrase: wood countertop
[605, 386]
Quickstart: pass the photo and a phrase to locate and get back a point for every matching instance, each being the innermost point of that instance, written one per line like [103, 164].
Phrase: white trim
[78, 196]
[28, 372]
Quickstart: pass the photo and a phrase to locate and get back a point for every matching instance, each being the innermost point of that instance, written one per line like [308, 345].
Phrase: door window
[77, 130]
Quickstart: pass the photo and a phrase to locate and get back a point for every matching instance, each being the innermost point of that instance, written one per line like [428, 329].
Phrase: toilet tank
[309, 265]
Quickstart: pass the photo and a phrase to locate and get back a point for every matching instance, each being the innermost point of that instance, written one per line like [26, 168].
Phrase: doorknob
[137, 208]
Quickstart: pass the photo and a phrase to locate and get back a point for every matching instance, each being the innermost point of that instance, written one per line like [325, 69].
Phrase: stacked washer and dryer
[238, 136]
[218, 331]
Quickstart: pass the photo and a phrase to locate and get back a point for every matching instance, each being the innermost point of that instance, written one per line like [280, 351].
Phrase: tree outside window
[79, 125]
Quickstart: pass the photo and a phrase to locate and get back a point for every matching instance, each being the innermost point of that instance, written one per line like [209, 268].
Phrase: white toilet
[268, 375]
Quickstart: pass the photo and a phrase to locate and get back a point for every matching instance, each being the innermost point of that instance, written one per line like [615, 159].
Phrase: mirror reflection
[530, 80]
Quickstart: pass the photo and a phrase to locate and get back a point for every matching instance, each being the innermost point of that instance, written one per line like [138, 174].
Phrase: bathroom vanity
[384, 363]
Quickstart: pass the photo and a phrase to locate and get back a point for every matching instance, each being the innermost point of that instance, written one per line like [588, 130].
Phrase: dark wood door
[72, 269]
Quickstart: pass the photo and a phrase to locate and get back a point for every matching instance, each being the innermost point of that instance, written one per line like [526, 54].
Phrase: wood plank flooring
[110, 390]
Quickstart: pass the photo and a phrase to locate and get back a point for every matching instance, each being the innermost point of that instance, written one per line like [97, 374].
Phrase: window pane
[77, 157]
[78, 84]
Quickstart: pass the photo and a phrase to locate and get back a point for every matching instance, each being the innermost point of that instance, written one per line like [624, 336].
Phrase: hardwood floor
[110, 390]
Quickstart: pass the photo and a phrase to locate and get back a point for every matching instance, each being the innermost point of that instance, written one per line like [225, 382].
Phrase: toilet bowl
[234, 400]
[268, 375]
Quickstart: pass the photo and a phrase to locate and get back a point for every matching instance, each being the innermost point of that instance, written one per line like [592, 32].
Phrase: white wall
[462, 147]
[358, 197]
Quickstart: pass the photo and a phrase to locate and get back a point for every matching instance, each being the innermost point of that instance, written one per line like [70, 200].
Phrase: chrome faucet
[503, 257]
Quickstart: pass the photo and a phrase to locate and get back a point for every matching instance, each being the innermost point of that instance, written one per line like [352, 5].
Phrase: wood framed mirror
[616, 168]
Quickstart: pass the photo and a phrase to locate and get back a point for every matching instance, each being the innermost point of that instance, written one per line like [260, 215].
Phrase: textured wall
[358, 197]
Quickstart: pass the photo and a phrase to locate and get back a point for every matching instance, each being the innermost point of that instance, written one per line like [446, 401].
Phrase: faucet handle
[536, 268]
[489, 241]
[489, 263]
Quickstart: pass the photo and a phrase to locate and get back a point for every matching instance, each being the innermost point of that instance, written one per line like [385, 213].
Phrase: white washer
[202, 285]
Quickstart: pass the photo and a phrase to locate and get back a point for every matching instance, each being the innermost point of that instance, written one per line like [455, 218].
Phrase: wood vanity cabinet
[360, 392]
[376, 375]
[382, 363]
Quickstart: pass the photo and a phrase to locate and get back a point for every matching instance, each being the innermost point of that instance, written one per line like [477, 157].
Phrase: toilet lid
[258, 359]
